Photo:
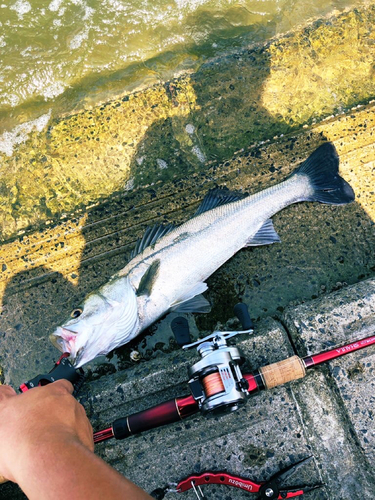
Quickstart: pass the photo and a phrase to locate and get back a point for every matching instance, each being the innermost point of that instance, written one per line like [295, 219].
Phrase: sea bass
[169, 265]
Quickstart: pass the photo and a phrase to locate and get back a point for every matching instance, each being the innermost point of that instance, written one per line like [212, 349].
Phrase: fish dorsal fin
[151, 236]
[266, 235]
[192, 301]
[217, 197]
[148, 279]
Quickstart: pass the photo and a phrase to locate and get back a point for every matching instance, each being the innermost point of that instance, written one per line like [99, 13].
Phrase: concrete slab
[306, 417]
[253, 441]
[343, 466]
[312, 416]
[342, 317]
[356, 384]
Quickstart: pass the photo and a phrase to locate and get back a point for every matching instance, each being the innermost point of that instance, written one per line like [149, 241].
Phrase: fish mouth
[65, 341]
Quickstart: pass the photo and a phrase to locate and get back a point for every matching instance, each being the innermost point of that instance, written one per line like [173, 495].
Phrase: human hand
[40, 418]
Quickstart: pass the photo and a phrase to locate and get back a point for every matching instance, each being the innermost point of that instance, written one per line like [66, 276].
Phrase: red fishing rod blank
[266, 377]
[325, 356]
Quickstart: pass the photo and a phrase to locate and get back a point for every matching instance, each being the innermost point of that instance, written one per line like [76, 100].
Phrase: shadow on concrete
[314, 256]
[318, 252]
[228, 116]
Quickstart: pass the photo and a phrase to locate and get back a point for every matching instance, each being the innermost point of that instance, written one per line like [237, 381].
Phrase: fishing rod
[216, 381]
[217, 384]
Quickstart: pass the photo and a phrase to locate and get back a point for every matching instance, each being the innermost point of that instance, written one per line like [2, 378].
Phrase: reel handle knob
[242, 313]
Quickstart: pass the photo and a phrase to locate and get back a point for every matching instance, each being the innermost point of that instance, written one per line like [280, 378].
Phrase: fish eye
[76, 312]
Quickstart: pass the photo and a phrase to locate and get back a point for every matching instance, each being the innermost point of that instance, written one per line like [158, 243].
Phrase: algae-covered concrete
[172, 130]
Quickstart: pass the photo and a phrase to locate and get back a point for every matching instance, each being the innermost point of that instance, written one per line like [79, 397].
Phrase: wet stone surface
[328, 414]
[44, 275]
[347, 316]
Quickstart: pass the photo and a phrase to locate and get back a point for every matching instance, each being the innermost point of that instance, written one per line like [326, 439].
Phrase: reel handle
[242, 313]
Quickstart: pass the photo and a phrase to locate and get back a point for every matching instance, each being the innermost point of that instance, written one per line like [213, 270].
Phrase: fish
[169, 266]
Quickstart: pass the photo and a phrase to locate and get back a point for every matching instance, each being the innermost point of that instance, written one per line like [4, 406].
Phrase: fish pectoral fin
[197, 304]
[192, 301]
[148, 279]
[217, 197]
[266, 235]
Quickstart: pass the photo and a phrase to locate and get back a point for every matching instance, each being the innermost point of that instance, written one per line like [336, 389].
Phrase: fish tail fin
[322, 169]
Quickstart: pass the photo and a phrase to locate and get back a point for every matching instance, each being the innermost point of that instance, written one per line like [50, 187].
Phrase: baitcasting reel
[216, 381]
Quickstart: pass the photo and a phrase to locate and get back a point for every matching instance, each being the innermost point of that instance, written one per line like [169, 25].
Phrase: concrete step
[327, 414]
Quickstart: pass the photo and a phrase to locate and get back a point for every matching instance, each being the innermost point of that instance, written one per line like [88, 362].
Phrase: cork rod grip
[283, 371]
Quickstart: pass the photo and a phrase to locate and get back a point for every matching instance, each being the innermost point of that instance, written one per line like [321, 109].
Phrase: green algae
[325, 69]
[171, 131]
[82, 158]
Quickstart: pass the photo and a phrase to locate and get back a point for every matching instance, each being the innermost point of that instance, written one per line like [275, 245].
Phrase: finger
[84, 418]
[90, 437]
[63, 385]
[6, 392]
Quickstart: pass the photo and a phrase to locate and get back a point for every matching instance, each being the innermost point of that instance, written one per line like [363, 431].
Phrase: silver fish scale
[192, 252]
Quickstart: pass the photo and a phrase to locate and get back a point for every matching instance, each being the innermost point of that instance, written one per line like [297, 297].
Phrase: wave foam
[20, 133]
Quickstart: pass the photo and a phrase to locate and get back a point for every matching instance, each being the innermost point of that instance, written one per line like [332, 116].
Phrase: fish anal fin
[266, 235]
[148, 279]
[217, 197]
[192, 301]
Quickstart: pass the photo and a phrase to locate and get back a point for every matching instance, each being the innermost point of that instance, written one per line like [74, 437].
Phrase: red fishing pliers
[267, 490]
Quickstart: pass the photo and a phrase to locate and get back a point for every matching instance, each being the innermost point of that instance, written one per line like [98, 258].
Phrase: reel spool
[216, 381]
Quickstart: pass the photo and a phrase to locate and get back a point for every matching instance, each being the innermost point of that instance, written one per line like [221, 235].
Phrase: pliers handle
[63, 369]
[268, 490]
[218, 478]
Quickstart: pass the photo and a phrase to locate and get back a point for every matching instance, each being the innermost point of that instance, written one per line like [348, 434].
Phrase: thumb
[63, 384]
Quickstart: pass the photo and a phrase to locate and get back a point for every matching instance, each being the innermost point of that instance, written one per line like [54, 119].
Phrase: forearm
[52, 458]
[69, 470]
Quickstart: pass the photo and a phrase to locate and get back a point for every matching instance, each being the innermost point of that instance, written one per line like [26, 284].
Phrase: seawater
[60, 56]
